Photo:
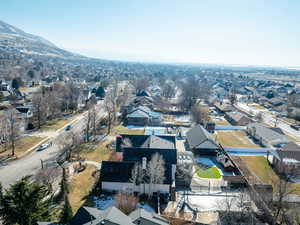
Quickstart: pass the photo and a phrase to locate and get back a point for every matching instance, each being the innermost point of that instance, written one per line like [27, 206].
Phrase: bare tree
[13, 129]
[126, 202]
[200, 114]
[155, 172]
[39, 108]
[259, 117]
[4, 132]
[168, 90]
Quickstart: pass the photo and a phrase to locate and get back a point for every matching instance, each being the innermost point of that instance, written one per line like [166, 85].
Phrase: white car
[44, 146]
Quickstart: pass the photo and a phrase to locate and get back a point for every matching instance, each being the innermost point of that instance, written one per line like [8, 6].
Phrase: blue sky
[254, 32]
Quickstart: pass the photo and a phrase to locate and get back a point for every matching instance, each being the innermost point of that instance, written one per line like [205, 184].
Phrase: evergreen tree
[66, 214]
[100, 92]
[15, 83]
[24, 203]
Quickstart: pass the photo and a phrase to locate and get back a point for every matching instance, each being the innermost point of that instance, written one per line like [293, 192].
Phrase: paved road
[271, 119]
[30, 164]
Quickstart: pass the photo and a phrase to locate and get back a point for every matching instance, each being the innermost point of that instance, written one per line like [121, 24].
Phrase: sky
[247, 32]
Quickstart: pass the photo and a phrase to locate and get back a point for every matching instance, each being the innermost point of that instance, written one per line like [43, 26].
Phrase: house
[145, 141]
[117, 176]
[200, 141]
[113, 216]
[143, 217]
[237, 118]
[143, 93]
[286, 160]
[142, 116]
[267, 136]
[224, 107]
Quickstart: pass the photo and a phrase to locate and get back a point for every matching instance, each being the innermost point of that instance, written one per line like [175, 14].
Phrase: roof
[288, 156]
[238, 116]
[121, 172]
[145, 141]
[137, 154]
[267, 134]
[198, 137]
[224, 107]
[111, 216]
[23, 109]
[84, 215]
[137, 114]
[152, 218]
[292, 146]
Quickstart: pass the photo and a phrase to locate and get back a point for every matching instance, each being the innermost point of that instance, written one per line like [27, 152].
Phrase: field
[22, 145]
[124, 130]
[95, 153]
[261, 168]
[212, 172]
[234, 139]
[80, 187]
[54, 124]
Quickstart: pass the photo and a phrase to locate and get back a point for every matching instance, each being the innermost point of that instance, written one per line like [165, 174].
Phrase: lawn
[55, 124]
[95, 153]
[237, 138]
[221, 122]
[22, 145]
[212, 172]
[80, 187]
[261, 168]
[120, 129]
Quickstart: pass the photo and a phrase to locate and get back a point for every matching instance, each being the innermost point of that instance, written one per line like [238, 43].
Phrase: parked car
[69, 127]
[44, 146]
[295, 126]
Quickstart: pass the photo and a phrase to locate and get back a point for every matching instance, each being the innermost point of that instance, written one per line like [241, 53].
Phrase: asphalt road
[14, 170]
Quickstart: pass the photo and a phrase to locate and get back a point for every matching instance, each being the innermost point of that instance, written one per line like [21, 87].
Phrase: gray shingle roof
[111, 216]
[151, 218]
[266, 133]
[198, 137]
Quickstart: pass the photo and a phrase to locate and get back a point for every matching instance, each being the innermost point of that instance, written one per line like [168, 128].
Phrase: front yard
[53, 125]
[237, 138]
[212, 172]
[120, 129]
[22, 145]
[259, 165]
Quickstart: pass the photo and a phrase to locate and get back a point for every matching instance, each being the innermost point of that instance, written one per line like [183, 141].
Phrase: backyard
[237, 138]
[259, 165]
[212, 172]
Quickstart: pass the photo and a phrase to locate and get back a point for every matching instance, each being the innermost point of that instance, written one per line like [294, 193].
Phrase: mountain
[15, 41]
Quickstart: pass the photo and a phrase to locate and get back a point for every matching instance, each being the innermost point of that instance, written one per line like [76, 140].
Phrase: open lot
[22, 145]
[259, 165]
[237, 138]
[54, 124]
[80, 187]
[120, 129]
[95, 153]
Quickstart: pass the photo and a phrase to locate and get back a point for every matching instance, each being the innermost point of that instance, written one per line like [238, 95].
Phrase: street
[12, 171]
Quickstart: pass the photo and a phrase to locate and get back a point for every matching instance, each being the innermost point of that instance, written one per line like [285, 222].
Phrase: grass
[80, 187]
[256, 106]
[237, 138]
[120, 129]
[55, 124]
[22, 145]
[95, 153]
[221, 122]
[212, 172]
[259, 165]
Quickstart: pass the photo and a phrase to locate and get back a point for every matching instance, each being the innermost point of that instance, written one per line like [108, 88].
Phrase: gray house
[200, 141]
[267, 136]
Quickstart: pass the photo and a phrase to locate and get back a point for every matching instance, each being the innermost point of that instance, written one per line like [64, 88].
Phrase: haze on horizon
[248, 32]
